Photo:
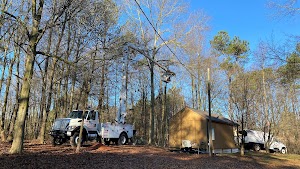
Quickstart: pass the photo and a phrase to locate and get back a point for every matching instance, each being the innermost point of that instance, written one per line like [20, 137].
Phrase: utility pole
[210, 145]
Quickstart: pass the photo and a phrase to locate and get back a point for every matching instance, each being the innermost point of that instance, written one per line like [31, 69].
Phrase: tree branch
[19, 21]
[54, 56]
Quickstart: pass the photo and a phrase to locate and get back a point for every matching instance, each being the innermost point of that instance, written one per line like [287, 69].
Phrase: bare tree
[34, 31]
[284, 8]
[8, 85]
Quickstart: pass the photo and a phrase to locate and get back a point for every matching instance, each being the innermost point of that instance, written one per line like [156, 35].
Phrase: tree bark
[102, 90]
[4, 108]
[44, 89]
[152, 113]
[15, 110]
[17, 145]
[4, 67]
[2, 132]
[51, 77]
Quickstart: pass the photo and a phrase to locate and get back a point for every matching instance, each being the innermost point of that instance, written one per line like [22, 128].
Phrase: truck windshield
[77, 114]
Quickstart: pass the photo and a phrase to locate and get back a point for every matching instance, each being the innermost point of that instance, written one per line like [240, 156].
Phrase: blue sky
[250, 20]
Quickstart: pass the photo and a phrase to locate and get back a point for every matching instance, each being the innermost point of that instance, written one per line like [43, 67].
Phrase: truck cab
[68, 128]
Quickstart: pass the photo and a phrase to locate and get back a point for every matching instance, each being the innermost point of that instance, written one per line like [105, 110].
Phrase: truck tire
[122, 139]
[256, 147]
[56, 141]
[74, 139]
[283, 151]
[107, 143]
[99, 139]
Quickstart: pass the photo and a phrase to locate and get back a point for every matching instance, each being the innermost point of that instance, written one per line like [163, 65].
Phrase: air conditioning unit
[186, 143]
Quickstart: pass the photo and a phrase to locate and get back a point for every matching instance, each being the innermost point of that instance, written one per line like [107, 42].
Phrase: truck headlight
[71, 128]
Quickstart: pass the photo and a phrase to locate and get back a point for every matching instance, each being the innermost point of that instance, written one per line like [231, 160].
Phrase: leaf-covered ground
[96, 155]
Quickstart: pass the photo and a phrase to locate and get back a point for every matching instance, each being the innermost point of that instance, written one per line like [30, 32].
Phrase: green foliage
[291, 71]
[238, 48]
[220, 42]
[234, 49]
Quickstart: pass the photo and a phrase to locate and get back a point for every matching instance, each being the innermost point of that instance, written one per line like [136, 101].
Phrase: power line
[162, 38]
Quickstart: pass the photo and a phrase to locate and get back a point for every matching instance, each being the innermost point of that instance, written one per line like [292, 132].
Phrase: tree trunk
[152, 113]
[193, 89]
[164, 117]
[67, 107]
[102, 90]
[17, 145]
[4, 67]
[2, 132]
[4, 108]
[15, 110]
[243, 138]
[51, 77]
[144, 108]
[44, 90]
[74, 75]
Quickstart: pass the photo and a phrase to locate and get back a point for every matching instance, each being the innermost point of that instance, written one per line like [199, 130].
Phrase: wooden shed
[191, 124]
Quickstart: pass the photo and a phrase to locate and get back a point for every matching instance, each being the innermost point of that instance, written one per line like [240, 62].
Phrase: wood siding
[189, 125]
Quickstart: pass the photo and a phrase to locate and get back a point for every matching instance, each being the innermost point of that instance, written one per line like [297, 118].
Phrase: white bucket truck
[257, 140]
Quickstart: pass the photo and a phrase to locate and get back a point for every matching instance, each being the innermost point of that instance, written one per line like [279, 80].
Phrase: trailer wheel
[256, 147]
[122, 139]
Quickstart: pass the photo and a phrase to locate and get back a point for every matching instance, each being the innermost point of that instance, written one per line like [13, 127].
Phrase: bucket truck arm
[121, 113]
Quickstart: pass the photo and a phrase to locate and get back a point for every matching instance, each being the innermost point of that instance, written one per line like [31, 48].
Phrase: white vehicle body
[68, 128]
[113, 130]
[258, 139]
[91, 124]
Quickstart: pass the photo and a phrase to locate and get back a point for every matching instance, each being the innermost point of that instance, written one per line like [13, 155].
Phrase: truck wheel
[283, 151]
[256, 147]
[99, 139]
[106, 141]
[56, 141]
[122, 139]
[74, 139]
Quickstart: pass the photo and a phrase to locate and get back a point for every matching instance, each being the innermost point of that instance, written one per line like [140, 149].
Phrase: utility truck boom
[118, 131]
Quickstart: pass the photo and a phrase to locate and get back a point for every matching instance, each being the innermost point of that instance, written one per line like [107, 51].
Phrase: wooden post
[209, 116]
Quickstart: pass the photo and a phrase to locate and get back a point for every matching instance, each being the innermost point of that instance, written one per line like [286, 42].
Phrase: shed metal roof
[214, 117]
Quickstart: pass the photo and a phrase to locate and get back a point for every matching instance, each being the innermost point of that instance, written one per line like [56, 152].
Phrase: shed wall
[189, 125]
[224, 138]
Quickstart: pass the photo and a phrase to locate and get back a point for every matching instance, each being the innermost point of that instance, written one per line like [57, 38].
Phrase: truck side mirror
[244, 133]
